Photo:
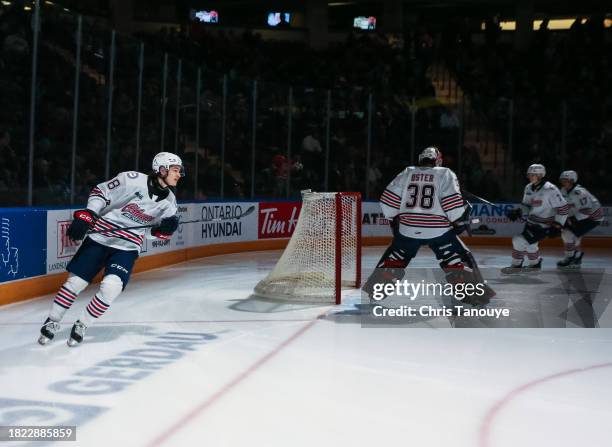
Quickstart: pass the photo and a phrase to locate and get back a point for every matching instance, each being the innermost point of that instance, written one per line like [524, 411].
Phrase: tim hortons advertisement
[223, 222]
[60, 248]
[277, 220]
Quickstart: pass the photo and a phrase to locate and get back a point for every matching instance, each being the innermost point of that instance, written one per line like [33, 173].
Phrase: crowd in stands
[366, 73]
[558, 82]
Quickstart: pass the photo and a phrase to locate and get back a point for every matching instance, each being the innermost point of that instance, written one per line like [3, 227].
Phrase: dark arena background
[300, 292]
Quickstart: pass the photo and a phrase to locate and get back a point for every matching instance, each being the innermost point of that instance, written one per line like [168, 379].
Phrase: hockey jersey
[583, 204]
[124, 201]
[544, 204]
[426, 200]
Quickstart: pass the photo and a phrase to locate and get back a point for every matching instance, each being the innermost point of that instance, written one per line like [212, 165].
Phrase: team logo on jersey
[133, 212]
[536, 202]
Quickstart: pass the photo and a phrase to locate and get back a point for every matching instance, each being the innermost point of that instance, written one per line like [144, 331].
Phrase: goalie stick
[248, 211]
[469, 195]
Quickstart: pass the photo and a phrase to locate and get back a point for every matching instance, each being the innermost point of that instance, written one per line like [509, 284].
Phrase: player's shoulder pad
[551, 186]
[132, 175]
[578, 190]
[444, 171]
[407, 170]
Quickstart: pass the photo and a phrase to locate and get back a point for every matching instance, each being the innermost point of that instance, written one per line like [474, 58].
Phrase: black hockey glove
[463, 223]
[554, 230]
[165, 229]
[460, 226]
[514, 214]
[84, 220]
[570, 222]
[394, 224]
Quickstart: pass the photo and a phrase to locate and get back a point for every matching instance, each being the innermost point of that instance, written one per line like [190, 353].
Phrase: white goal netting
[323, 254]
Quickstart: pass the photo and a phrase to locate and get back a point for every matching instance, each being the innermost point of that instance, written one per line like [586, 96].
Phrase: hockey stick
[475, 197]
[248, 211]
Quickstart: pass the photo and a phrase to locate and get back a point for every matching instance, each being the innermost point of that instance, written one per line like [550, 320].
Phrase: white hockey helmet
[569, 175]
[166, 160]
[431, 153]
[536, 169]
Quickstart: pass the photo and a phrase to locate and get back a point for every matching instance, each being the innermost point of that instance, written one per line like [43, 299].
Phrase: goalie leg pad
[458, 263]
[395, 259]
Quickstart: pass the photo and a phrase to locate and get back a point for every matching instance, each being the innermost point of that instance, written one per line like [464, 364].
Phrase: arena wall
[35, 250]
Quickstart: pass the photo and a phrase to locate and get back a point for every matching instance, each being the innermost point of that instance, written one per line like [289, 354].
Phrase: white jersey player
[545, 211]
[426, 199]
[425, 207]
[585, 214]
[130, 199]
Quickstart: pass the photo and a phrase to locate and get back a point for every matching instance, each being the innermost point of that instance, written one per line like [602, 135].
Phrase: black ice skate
[513, 269]
[573, 263]
[77, 333]
[565, 262]
[536, 268]
[519, 269]
[48, 331]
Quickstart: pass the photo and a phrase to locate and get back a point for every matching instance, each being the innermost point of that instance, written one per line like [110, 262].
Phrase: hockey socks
[65, 297]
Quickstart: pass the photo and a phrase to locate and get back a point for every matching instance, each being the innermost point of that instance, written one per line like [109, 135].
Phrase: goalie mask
[431, 153]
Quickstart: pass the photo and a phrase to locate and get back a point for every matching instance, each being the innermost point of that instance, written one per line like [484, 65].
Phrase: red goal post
[323, 254]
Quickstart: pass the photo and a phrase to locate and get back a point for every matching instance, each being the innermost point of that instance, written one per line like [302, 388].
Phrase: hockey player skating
[425, 207]
[545, 211]
[129, 199]
[585, 213]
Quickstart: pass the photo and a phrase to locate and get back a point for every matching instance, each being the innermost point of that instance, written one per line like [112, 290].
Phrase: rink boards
[35, 248]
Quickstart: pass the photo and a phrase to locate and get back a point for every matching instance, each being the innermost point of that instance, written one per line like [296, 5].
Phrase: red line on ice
[181, 423]
[487, 422]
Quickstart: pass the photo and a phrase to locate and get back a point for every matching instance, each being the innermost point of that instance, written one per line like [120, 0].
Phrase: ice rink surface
[187, 357]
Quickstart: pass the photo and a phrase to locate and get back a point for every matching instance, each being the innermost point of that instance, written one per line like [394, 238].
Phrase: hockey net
[323, 254]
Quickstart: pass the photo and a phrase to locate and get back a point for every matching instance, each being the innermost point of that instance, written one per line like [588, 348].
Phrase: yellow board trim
[15, 291]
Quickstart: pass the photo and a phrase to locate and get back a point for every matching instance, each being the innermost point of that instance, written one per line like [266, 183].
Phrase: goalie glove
[463, 223]
[394, 224]
[166, 228]
[514, 214]
[460, 226]
[84, 220]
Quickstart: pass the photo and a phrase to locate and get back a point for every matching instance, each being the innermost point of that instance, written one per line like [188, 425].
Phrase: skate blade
[570, 268]
[512, 272]
[72, 342]
[42, 340]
